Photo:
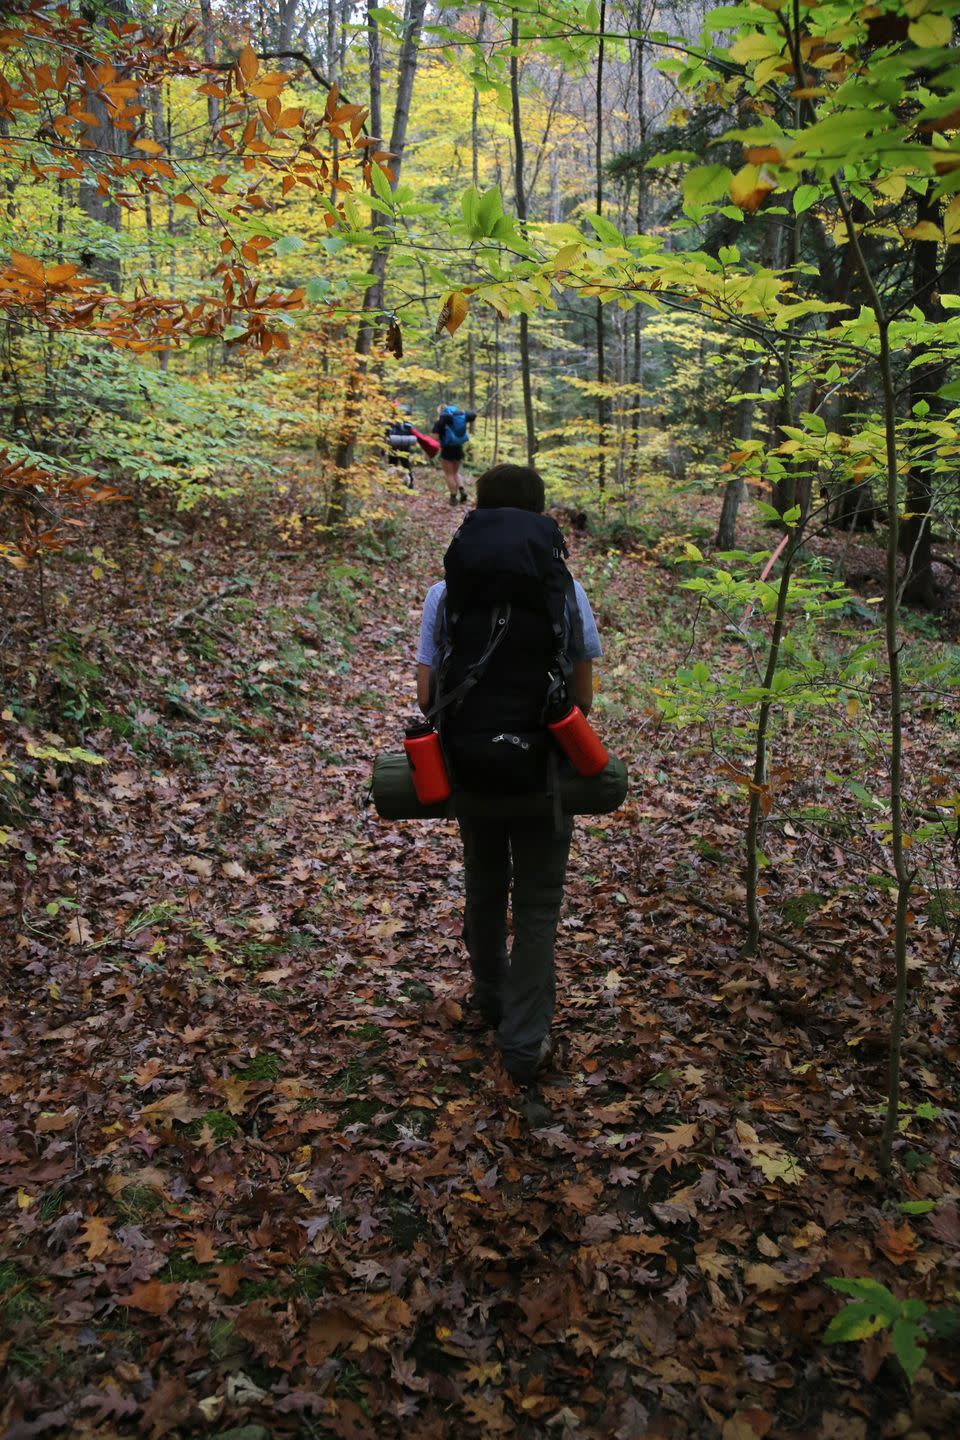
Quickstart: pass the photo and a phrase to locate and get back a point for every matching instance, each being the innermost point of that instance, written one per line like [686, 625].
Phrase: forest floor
[263, 1175]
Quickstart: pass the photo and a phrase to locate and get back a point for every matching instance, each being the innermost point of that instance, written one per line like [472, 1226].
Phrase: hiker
[401, 445]
[510, 604]
[451, 428]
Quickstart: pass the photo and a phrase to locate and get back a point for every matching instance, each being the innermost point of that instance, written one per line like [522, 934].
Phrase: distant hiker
[451, 427]
[402, 444]
[507, 628]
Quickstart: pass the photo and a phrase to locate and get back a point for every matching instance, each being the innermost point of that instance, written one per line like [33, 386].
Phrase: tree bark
[919, 587]
[373, 295]
[733, 494]
[375, 70]
[210, 53]
[602, 403]
[521, 200]
[107, 142]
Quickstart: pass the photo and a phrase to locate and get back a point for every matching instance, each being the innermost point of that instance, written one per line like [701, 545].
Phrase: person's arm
[424, 686]
[581, 683]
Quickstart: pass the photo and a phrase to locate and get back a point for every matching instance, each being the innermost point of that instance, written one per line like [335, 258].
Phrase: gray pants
[516, 994]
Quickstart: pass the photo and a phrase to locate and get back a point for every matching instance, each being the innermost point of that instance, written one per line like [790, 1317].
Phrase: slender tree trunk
[107, 143]
[603, 407]
[522, 217]
[733, 494]
[475, 172]
[904, 877]
[374, 294]
[639, 312]
[210, 53]
[758, 783]
[926, 379]
[375, 70]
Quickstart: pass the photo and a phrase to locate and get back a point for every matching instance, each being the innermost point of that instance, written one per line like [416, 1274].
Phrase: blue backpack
[456, 426]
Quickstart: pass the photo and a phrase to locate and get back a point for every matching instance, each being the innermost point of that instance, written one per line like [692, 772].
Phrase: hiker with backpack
[451, 429]
[402, 445]
[504, 638]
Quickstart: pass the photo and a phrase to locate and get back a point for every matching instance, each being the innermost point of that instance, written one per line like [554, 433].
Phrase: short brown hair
[518, 485]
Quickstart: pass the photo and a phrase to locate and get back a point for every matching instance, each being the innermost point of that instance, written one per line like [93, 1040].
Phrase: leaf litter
[262, 1173]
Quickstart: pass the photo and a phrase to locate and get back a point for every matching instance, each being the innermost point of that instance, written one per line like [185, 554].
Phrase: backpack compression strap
[500, 621]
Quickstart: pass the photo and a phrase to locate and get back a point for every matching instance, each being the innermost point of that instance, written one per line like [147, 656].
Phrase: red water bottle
[579, 742]
[425, 758]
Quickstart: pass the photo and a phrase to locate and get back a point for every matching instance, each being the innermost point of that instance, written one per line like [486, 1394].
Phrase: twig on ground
[790, 945]
[207, 602]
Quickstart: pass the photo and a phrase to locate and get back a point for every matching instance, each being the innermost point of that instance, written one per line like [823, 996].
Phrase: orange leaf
[27, 265]
[899, 1245]
[151, 1296]
[95, 1235]
[149, 147]
[248, 63]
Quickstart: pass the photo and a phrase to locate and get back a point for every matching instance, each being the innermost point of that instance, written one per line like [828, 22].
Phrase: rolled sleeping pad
[394, 797]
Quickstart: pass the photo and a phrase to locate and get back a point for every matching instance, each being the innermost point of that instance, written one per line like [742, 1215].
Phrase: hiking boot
[463, 495]
[526, 1075]
[453, 499]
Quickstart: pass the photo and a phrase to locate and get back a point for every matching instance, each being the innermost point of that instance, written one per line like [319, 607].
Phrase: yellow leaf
[248, 63]
[951, 222]
[24, 1200]
[931, 30]
[453, 313]
[566, 256]
[750, 186]
[925, 230]
[780, 1166]
[764, 1277]
[755, 46]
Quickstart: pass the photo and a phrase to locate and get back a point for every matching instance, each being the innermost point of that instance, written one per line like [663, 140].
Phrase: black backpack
[511, 620]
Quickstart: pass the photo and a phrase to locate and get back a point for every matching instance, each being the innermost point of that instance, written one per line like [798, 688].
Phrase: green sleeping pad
[395, 798]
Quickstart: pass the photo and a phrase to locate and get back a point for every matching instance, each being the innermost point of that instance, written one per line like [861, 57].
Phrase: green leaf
[813, 422]
[318, 288]
[866, 1289]
[288, 245]
[381, 184]
[706, 183]
[489, 210]
[903, 1336]
[469, 204]
[606, 232]
[671, 157]
[855, 1322]
[804, 196]
[917, 1207]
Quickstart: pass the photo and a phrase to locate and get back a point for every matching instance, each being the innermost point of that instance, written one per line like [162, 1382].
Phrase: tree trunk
[475, 172]
[522, 217]
[919, 587]
[734, 493]
[107, 142]
[373, 295]
[375, 70]
[602, 403]
[210, 53]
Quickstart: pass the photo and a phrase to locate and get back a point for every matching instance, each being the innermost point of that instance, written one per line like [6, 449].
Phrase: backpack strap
[499, 624]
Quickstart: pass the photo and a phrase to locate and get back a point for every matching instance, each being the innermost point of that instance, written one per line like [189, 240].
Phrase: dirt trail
[262, 1169]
